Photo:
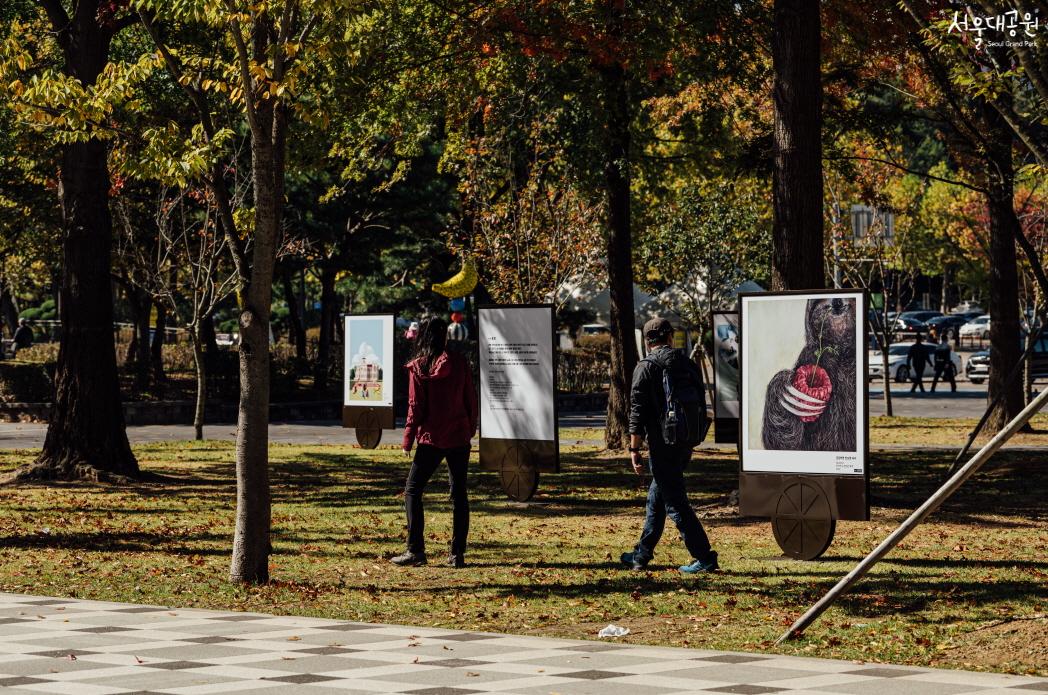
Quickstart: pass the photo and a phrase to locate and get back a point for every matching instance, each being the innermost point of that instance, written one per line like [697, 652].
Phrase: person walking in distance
[667, 386]
[442, 418]
[944, 365]
[23, 336]
[916, 358]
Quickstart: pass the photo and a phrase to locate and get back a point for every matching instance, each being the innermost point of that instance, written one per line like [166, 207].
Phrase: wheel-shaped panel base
[802, 525]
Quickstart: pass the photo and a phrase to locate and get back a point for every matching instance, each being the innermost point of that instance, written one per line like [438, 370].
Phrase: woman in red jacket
[442, 418]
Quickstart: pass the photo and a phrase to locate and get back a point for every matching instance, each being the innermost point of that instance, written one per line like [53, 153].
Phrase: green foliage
[706, 243]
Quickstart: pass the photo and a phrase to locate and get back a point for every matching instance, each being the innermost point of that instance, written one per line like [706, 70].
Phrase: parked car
[897, 367]
[947, 325]
[593, 329]
[976, 328]
[906, 324]
[922, 316]
[978, 367]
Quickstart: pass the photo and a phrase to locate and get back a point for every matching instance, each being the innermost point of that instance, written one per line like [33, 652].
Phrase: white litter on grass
[613, 631]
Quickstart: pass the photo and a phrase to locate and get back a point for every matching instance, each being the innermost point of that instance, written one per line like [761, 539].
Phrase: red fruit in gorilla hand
[812, 380]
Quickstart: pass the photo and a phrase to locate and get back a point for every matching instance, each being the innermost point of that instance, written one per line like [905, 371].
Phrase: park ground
[969, 589]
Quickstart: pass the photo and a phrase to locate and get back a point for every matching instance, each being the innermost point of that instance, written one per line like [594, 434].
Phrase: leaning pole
[922, 512]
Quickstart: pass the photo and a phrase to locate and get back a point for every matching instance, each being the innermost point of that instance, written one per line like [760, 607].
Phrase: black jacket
[647, 398]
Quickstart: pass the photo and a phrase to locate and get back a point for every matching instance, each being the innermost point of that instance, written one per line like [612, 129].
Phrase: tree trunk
[295, 319]
[143, 304]
[620, 256]
[797, 236]
[199, 359]
[251, 540]
[8, 309]
[1005, 342]
[156, 348]
[85, 433]
[327, 320]
[207, 334]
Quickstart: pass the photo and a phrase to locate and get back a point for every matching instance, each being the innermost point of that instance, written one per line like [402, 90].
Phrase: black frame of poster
[385, 413]
[546, 455]
[848, 495]
[725, 429]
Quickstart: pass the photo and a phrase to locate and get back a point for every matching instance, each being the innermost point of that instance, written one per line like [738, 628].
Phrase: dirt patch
[1019, 645]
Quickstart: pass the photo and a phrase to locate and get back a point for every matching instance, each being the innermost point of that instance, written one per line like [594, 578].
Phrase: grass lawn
[968, 590]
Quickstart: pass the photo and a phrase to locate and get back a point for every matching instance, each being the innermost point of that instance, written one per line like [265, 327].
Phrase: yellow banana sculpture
[461, 283]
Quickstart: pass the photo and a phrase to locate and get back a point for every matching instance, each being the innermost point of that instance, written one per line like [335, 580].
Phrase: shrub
[600, 342]
[24, 382]
[40, 353]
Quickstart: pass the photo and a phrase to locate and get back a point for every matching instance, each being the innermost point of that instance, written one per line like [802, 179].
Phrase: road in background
[968, 402]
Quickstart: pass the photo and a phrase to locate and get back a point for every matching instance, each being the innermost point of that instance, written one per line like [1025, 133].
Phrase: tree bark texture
[1005, 341]
[200, 360]
[797, 230]
[620, 256]
[85, 434]
[251, 540]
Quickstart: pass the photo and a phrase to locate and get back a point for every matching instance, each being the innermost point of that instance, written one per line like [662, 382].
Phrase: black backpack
[684, 422]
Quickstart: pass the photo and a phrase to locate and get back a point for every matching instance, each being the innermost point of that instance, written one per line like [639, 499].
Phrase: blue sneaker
[632, 561]
[697, 566]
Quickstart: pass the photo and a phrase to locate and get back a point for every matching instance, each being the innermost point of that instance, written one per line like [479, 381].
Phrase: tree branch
[908, 170]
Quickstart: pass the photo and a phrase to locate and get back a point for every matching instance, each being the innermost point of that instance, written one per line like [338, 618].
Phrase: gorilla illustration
[812, 406]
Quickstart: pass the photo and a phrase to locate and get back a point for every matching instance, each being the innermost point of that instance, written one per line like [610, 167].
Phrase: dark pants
[668, 497]
[427, 459]
[944, 371]
[918, 380]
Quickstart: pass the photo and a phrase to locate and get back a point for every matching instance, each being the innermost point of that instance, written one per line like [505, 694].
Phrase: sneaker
[408, 559]
[456, 560]
[697, 566]
[632, 561]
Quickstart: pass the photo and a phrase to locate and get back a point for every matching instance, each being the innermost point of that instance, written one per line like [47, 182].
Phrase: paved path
[96, 648]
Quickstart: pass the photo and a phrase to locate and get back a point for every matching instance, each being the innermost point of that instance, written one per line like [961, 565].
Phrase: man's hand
[637, 462]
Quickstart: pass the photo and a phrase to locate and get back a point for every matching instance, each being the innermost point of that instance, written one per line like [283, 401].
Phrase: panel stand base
[803, 525]
[518, 475]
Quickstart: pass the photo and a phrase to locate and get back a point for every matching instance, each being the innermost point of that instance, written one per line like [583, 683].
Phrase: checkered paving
[50, 645]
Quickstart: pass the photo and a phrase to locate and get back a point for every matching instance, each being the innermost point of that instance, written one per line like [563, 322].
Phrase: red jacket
[442, 405]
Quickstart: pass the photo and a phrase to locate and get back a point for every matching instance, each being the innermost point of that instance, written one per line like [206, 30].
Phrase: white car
[976, 328]
[897, 367]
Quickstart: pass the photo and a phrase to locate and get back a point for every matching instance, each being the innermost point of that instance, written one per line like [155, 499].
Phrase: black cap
[657, 328]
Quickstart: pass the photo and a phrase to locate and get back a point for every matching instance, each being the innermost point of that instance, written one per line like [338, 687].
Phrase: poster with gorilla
[803, 382]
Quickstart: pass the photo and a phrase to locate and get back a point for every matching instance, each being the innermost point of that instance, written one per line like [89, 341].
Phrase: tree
[797, 232]
[85, 435]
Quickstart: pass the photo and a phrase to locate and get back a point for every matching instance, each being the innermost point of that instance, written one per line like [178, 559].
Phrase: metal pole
[922, 512]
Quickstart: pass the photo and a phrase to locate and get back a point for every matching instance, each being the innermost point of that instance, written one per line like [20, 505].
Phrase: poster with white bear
[803, 372]
[369, 360]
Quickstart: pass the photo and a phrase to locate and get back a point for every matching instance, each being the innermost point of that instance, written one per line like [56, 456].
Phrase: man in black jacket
[667, 495]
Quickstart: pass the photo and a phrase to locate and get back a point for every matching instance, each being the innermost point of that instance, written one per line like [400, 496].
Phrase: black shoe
[631, 561]
[409, 559]
[456, 560]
